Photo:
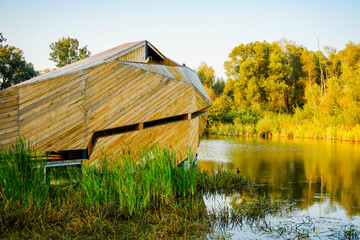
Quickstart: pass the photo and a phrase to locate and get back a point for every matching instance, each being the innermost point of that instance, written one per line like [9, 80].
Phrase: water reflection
[322, 176]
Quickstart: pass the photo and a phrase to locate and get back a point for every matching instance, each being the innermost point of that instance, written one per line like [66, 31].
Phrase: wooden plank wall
[202, 124]
[173, 135]
[118, 94]
[201, 101]
[193, 141]
[138, 55]
[9, 115]
[197, 126]
[51, 112]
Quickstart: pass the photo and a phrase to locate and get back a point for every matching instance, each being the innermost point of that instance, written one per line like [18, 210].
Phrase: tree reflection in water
[311, 172]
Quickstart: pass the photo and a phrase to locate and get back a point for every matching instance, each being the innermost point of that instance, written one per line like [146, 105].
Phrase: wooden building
[128, 96]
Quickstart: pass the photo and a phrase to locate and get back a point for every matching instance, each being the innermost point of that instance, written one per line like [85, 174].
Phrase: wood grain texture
[125, 95]
[9, 115]
[197, 126]
[202, 124]
[194, 138]
[53, 117]
[181, 73]
[173, 135]
[137, 55]
[201, 102]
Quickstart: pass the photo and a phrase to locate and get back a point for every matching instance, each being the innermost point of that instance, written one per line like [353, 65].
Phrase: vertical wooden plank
[137, 55]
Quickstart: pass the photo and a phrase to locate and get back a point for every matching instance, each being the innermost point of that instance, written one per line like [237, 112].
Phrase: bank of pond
[268, 127]
[147, 195]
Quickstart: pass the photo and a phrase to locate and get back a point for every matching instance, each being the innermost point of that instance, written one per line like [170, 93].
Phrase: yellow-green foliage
[265, 124]
[233, 129]
[290, 91]
[286, 125]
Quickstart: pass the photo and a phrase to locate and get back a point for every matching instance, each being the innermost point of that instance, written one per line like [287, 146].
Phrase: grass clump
[349, 232]
[130, 185]
[22, 175]
[259, 207]
[221, 179]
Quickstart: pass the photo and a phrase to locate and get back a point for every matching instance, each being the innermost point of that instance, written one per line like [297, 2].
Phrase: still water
[321, 177]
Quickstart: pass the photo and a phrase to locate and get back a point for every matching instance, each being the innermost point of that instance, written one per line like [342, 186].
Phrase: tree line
[283, 77]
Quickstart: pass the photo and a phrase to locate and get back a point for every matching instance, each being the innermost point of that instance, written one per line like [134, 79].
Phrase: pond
[322, 178]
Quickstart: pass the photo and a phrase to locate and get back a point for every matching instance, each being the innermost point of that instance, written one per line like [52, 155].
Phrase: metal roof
[175, 72]
[89, 62]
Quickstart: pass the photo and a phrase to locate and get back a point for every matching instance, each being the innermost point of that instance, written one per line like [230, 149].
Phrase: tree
[260, 75]
[296, 85]
[13, 67]
[66, 51]
[310, 68]
[219, 86]
[206, 74]
[333, 65]
[277, 85]
[351, 55]
[220, 107]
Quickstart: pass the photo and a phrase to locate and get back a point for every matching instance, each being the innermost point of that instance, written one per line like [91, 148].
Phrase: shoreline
[224, 131]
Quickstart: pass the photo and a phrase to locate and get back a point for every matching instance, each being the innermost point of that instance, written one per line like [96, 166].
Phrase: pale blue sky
[187, 31]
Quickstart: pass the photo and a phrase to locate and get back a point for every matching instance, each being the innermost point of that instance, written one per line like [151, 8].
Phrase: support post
[140, 126]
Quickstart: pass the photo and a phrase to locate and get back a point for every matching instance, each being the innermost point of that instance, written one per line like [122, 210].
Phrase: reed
[132, 185]
[22, 175]
[349, 232]
[221, 179]
[286, 125]
[148, 194]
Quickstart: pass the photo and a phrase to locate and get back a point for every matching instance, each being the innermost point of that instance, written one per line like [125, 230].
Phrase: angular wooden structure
[130, 95]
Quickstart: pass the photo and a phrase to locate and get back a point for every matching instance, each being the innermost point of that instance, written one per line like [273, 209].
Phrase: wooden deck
[109, 101]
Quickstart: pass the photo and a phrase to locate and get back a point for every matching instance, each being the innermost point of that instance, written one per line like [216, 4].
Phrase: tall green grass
[22, 175]
[131, 185]
[126, 196]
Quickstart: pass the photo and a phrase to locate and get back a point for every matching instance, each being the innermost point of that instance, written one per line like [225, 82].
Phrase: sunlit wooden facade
[128, 96]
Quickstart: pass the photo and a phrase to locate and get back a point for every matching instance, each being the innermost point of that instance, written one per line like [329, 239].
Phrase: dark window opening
[155, 57]
[197, 114]
[165, 120]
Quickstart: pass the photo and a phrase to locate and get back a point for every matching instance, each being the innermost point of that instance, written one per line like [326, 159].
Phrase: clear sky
[186, 31]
